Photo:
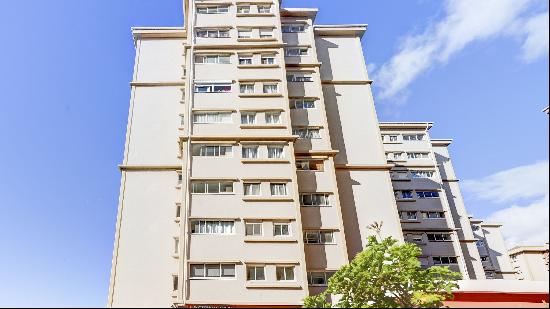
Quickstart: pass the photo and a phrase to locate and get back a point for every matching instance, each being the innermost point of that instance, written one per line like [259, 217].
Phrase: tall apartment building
[530, 262]
[254, 164]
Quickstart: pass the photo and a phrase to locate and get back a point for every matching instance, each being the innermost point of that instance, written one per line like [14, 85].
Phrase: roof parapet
[159, 32]
[341, 30]
[406, 125]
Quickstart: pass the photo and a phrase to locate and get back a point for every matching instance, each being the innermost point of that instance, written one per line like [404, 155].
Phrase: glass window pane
[228, 270]
[199, 187]
[213, 270]
[213, 187]
[197, 270]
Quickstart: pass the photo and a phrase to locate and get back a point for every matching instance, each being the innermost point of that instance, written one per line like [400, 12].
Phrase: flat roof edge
[159, 32]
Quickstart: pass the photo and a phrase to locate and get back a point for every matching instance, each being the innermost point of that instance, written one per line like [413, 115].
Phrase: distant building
[530, 262]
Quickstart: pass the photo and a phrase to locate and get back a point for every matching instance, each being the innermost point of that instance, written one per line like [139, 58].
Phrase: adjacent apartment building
[254, 163]
[530, 262]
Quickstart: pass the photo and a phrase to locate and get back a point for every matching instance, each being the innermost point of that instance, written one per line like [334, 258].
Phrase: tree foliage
[387, 275]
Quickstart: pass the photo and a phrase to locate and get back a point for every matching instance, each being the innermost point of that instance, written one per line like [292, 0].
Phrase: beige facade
[530, 262]
[254, 164]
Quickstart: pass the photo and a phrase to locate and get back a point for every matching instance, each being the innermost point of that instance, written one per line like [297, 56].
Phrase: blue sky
[66, 67]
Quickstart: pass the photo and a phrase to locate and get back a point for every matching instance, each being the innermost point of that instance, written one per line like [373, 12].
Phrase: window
[485, 259]
[418, 155]
[212, 59]
[416, 238]
[245, 60]
[243, 9]
[392, 138]
[273, 118]
[251, 189]
[399, 175]
[433, 215]
[211, 117]
[275, 152]
[178, 211]
[437, 237]
[212, 9]
[255, 273]
[427, 194]
[266, 33]
[248, 118]
[212, 227]
[247, 88]
[175, 282]
[293, 28]
[444, 260]
[285, 273]
[212, 33]
[245, 34]
[395, 156]
[319, 278]
[253, 228]
[212, 270]
[180, 178]
[299, 78]
[296, 51]
[264, 9]
[405, 194]
[315, 199]
[318, 237]
[176, 245]
[250, 152]
[303, 104]
[271, 88]
[307, 133]
[413, 137]
[212, 88]
[422, 174]
[212, 151]
[268, 59]
[281, 229]
[278, 189]
[212, 187]
[409, 215]
[310, 165]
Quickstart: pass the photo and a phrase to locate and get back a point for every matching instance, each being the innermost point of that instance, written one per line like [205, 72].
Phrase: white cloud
[529, 181]
[524, 225]
[465, 22]
[526, 188]
[536, 43]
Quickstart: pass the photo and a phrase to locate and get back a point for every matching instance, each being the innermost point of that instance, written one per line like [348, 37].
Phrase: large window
[212, 271]
[278, 189]
[212, 227]
[247, 88]
[264, 9]
[296, 51]
[408, 215]
[273, 118]
[245, 33]
[293, 28]
[284, 273]
[270, 88]
[302, 104]
[211, 117]
[248, 118]
[404, 194]
[437, 237]
[266, 33]
[422, 174]
[243, 9]
[299, 78]
[212, 151]
[245, 60]
[413, 137]
[275, 152]
[281, 229]
[418, 155]
[319, 237]
[212, 9]
[212, 88]
[252, 189]
[212, 187]
[213, 33]
[212, 59]
[319, 278]
[253, 229]
[255, 273]
[444, 260]
[310, 165]
[250, 152]
[268, 59]
[427, 194]
[314, 199]
[307, 133]
[433, 215]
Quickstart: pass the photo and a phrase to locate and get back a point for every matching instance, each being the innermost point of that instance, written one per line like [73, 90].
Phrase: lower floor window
[319, 278]
[255, 273]
[445, 260]
[212, 270]
[285, 273]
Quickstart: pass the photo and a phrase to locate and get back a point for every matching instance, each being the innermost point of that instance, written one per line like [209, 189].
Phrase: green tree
[387, 275]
